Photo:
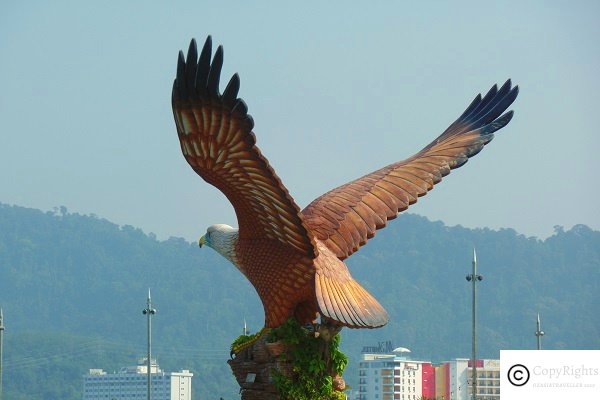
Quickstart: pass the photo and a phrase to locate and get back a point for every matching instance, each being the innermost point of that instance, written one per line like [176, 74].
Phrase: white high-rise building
[394, 377]
[130, 383]
[453, 379]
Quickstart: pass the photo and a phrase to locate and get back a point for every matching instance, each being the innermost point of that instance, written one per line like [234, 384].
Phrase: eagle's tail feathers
[348, 303]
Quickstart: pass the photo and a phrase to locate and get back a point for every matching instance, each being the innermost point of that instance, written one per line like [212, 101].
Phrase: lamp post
[539, 333]
[474, 278]
[149, 312]
[1, 338]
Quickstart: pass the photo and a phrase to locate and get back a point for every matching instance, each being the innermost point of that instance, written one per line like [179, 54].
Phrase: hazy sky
[336, 91]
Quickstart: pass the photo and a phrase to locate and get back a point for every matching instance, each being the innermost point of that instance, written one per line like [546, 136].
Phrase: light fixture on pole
[149, 312]
[474, 278]
[539, 333]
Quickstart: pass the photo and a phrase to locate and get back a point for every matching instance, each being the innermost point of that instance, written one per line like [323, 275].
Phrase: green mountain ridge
[73, 287]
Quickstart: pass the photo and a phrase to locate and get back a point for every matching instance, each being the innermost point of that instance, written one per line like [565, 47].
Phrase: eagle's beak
[201, 241]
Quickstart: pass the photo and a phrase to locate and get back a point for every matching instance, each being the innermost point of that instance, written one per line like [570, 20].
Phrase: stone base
[253, 368]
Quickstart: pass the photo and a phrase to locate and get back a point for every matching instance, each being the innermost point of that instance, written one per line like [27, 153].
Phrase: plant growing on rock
[317, 364]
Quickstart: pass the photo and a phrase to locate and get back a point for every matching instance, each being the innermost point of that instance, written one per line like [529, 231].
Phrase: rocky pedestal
[253, 369]
[256, 367]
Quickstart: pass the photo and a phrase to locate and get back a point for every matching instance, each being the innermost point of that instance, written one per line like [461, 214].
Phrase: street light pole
[149, 312]
[474, 278]
[539, 333]
[1, 339]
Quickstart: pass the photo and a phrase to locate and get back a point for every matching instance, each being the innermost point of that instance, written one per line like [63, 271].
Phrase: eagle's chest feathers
[261, 258]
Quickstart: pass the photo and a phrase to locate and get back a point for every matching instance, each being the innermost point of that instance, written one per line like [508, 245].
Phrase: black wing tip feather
[483, 110]
[495, 97]
[488, 112]
[498, 123]
[198, 78]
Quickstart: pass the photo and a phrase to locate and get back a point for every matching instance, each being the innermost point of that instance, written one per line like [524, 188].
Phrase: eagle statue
[292, 257]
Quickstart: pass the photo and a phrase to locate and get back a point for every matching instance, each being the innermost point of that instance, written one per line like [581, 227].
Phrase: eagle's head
[222, 238]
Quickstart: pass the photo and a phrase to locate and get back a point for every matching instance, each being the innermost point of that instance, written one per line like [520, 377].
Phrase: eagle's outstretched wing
[216, 138]
[346, 217]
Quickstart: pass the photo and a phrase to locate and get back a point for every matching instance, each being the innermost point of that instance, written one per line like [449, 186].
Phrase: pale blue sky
[336, 90]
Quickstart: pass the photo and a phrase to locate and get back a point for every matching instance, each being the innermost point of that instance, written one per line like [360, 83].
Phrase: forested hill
[72, 288]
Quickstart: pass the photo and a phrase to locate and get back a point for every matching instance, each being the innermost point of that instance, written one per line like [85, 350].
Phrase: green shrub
[314, 360]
